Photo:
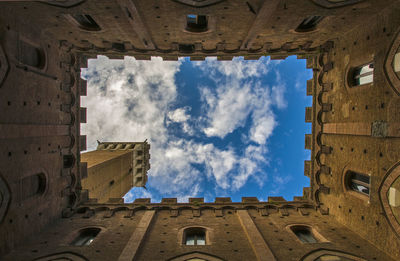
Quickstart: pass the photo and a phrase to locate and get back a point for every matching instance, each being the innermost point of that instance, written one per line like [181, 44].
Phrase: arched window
[31, 55]
[309, 24]
[361, 75]
[358, 182]
[304, 233]
[196, 23]
[86, 236]
[33, 185]
[194, 236]
[84, 21]
[330, 255]
[333, 258]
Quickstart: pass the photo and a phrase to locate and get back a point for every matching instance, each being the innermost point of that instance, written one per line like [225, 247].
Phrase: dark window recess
[309, 24]
[128, 13]
[118, 47]
[362, 75]
[251, 9]
[196, 23]
[139, 162]
[186, 48]
[304, 234]
[86, 22]
[112, 182]
[194, 236]
[31, 55]
[86, 236]
[139, 170]
[139, 179]
[33, 185]
[358, 182]
[139, 152]
[68, 161]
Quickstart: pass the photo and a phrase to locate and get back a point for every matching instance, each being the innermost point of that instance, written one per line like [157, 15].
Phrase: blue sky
[232, 128]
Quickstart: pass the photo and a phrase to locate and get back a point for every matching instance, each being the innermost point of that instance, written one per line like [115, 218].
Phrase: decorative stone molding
[335, 4]
[4, 67]
[196, 256]
[199, 3]
[62, 256]
[391, 175]
[315, 254]
[5, 197]
[391, 75]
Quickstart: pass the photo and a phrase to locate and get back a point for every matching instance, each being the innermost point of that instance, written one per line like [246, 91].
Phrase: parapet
[141, 158]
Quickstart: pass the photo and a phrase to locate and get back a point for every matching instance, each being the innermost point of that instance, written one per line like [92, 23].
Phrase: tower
[114, 168]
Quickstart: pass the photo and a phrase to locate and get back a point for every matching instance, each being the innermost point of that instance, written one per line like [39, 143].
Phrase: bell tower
[114, 168]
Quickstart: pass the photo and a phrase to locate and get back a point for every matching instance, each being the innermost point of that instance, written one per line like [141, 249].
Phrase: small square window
[196, 23]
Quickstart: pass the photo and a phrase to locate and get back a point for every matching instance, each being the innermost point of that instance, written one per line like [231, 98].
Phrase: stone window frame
[44, 189]
[351, 71]
[79, 26]
[319, 19]
[332, 4]
[392, 76]
[313, 255]
[209, 235]
[40, 47]
[352, 192]
[76, 233]
[314, 231]
[191, 255]
[391, 176]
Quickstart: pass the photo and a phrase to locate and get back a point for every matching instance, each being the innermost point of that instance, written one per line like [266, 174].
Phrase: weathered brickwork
[355, 129]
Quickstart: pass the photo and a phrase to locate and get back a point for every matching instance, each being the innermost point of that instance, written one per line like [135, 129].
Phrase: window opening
[33, 185]
[31, 55]
[85, 22]
[195, 236]
[68, 161]
[304, 234]
[186, 48]
[309, 24]
[86, 236]
[358, 182]
[196, 23]
[362, 75]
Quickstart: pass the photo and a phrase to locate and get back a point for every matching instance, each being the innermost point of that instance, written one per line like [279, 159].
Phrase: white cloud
[227, 109]
[181, 116]
[138, 193]
[238, 68]
[178, 115]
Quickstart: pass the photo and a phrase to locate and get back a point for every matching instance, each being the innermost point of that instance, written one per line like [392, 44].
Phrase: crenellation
[276, 199]
[169, 200]
[250, 200]
[223, 200]
[196, 200]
